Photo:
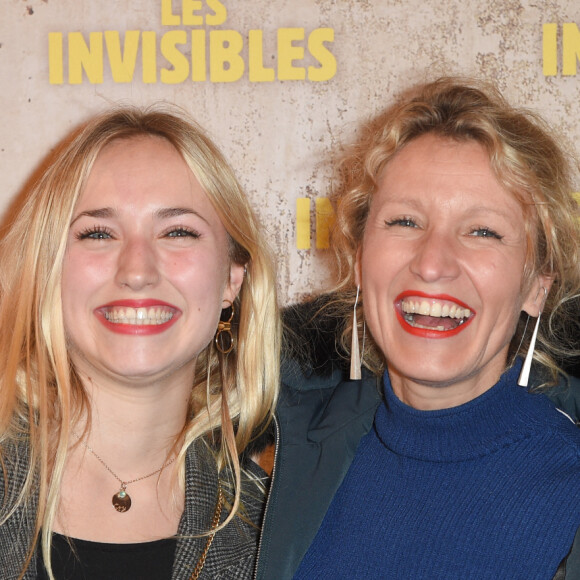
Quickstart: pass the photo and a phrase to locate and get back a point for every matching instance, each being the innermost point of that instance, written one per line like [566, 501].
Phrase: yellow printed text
[324, 221]
[570, 36]
[178, 56]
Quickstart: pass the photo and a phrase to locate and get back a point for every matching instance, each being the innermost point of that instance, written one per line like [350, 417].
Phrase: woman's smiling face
[147, 268]
[441, 270]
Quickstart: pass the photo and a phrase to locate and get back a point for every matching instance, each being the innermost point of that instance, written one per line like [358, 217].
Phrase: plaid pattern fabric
[232, 553]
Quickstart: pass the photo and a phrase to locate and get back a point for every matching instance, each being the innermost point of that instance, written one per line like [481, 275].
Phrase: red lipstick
[428, 332]
[111, 316]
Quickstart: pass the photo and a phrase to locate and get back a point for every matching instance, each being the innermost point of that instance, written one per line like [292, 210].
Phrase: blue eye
[96, 233]
[403, 222]
[182, 232]
[485, 233]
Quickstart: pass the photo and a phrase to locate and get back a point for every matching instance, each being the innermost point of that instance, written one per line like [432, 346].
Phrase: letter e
[288, 53]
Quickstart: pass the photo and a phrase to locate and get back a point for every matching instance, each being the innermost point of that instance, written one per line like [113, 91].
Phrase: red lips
[428, 332]
[137, 329]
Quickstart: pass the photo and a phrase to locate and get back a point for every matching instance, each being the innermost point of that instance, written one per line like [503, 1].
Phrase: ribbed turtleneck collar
[498, 417]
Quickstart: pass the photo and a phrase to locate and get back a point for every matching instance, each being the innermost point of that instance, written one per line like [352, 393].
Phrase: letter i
[550, 49]
[55, 59]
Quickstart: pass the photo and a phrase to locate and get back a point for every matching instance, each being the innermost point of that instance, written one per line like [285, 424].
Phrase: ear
[357, 266]
[232, 288]
[536, 295]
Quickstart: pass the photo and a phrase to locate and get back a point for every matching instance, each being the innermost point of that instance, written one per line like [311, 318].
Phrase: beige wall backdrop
[279, 84]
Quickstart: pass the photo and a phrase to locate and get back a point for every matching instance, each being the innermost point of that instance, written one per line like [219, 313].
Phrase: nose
[436, 257]
[137, 266]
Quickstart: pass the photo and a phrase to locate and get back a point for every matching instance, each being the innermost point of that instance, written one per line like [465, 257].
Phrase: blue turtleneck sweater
[489, 489]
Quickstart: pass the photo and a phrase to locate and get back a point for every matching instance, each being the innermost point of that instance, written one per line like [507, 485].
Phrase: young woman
[139, 340]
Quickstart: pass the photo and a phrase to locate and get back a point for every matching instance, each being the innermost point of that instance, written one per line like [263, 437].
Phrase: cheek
[500, 292]
[378, 307]
[75, 294]
[81, 274]
[201, 276]
[72, 278]
[378, 268]
[500, 280]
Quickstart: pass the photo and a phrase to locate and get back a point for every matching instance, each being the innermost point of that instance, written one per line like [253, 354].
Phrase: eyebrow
[103, 212]
[163, 213]
[169, 212]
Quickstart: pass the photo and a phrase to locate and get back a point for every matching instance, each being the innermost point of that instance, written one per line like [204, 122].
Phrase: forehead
[433, 167]
[142, 171]
[438, 155]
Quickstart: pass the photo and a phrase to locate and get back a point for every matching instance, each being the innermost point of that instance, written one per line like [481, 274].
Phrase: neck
[436, 395]
[133, 428]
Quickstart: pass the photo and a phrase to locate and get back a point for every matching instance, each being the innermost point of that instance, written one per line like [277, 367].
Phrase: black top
[97, 561]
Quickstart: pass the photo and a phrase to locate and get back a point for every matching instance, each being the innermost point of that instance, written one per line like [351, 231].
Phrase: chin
[429, 375]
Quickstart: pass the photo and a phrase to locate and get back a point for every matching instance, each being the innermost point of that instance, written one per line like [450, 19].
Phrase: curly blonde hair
[527, 161]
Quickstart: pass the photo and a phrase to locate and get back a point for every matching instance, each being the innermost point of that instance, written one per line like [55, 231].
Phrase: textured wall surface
[280, 135]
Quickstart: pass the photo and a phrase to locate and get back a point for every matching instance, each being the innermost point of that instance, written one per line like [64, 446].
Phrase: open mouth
[433, 316]
[138, 316]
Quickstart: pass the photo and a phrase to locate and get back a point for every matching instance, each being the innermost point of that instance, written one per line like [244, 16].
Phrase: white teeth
[435, 309]
[138, 316]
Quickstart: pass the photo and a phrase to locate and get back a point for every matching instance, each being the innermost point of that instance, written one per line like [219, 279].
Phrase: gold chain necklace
[122, 503]
[122, 500]
[214, 524]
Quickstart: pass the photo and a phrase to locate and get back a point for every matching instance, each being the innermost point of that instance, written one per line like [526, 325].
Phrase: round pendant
[122, 501]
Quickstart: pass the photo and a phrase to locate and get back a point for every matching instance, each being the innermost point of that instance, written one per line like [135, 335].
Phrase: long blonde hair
[527, 160]
[40, 393]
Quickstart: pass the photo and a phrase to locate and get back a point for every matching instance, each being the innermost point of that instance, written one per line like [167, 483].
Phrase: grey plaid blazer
[231, 556]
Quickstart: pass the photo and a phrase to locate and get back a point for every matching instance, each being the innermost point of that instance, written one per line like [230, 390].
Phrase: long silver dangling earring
[525, 372]
[355, 359]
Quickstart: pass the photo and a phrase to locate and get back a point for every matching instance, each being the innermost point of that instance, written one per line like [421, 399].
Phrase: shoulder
[553, 442]
[14, 463]
[17, 513]
[566, 396]
[312, 357]
[317, 396]
[233, 549]
[570, 568]
[202, 481]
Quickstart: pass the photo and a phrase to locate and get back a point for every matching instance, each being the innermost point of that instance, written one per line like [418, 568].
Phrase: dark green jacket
[321, 418]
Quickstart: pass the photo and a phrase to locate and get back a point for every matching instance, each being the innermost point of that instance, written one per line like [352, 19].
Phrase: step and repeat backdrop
[279, 84]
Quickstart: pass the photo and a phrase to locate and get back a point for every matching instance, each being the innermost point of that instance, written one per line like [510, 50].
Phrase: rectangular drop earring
[355, 359]
[525, 372]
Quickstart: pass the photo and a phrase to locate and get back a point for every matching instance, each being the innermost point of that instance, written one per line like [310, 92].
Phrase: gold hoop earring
[224, 339]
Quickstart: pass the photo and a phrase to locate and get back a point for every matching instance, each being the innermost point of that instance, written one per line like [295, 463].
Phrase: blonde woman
[458, 243]
[139, 340]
